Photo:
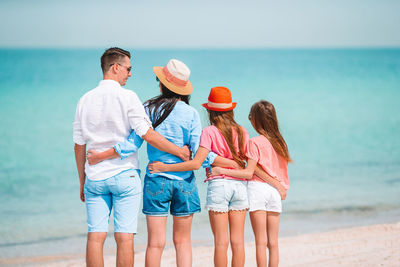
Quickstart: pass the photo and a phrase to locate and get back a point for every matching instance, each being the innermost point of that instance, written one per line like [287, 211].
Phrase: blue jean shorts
[161, 194]
[224, 195]
[122, 193]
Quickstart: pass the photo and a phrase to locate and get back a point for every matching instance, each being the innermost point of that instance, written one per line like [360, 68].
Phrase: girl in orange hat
[227, 199]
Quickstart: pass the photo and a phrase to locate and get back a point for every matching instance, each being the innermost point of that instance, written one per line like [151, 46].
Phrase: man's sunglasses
[128, 69]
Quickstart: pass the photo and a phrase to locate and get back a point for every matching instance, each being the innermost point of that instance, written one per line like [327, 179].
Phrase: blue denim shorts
[161, 194]
[122, 193]
[224, 195]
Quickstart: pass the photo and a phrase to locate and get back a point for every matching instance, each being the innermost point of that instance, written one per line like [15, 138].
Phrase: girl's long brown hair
[226, 124]
[265, 122]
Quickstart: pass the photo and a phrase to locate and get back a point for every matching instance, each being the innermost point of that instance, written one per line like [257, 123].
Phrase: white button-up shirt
[105, 116]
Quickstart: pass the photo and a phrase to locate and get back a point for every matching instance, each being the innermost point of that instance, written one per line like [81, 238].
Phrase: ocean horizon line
[142, 48]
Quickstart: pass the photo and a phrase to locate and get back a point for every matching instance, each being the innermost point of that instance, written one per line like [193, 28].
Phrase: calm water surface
[338, 111]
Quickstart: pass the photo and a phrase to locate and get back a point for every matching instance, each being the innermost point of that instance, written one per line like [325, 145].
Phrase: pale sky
[200, 24]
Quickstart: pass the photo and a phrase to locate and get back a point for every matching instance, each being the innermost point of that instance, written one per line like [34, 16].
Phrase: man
[105, 116]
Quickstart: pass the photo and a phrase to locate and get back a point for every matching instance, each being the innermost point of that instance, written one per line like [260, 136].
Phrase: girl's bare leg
[258, 220]
[182, 242]
[156, 231]
[236, 227]
[219, 227]
[272, 233]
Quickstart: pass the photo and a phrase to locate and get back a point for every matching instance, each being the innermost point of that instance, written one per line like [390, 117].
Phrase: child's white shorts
[263, 196]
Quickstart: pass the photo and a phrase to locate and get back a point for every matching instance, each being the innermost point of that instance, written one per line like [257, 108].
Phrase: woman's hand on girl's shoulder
[156, 166]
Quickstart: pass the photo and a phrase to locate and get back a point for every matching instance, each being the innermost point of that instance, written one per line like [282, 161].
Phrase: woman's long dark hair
[161, 106]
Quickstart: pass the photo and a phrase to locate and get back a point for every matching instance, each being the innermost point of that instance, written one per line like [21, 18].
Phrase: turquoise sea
[338, 109]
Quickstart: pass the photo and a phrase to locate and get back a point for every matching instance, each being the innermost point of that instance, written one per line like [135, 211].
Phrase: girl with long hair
[227, 200]
[270, 152]
[175, 192]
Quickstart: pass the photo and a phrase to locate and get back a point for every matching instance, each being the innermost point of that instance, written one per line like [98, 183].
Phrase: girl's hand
[186, 153]
[216, 171]
[282, 192]
[93, 157]
[157, 166]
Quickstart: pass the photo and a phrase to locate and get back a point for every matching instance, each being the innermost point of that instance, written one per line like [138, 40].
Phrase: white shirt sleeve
[138, 119]
[77, 128]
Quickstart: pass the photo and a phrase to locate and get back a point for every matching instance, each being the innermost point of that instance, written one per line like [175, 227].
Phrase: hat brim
[180, 90]
[219, 109]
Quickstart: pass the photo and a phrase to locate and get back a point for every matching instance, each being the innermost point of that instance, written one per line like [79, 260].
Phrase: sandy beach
[375, 245]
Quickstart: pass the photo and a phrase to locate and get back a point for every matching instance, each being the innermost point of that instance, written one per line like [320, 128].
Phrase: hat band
[219, 105]
[172, 79]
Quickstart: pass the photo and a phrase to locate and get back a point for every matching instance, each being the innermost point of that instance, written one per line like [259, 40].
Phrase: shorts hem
[238, 209]
[125, 231]
[185, 214]
[216, 209]
[97, 231]
[157, 214]
[277, 211]
[257, 208]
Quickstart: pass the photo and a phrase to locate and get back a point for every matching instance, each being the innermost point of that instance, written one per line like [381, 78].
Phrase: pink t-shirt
[262, 151]
[213, 140]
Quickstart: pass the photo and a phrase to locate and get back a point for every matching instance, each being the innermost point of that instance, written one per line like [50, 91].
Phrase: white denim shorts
[224, 195]
[263, 196]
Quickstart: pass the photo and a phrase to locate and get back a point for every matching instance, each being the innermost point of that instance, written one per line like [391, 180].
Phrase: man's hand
[93, 157]
[158, 141]
[80, 153]
[82, 195]
[186, 153]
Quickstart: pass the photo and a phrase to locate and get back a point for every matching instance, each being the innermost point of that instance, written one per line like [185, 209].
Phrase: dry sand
[376, 245]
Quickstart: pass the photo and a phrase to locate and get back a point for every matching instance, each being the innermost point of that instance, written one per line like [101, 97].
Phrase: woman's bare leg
[182, 241]
[156, 231]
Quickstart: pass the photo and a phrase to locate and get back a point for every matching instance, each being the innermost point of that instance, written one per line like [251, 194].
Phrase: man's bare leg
[94, 249]
[125, 254]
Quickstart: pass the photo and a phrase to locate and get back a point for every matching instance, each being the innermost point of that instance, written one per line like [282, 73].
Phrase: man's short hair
[111, 56]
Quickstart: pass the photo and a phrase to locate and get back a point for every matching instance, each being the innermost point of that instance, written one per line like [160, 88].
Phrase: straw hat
[175, 76]
[220, 99]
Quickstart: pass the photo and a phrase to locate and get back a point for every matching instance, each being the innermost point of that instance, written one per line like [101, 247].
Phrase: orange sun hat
[220, 99]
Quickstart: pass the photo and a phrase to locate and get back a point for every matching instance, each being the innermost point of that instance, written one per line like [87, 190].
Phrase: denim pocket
[125, 183]
[215, 193]
[241, 192]
[91, 187]
[154, 186]
[187, 186]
